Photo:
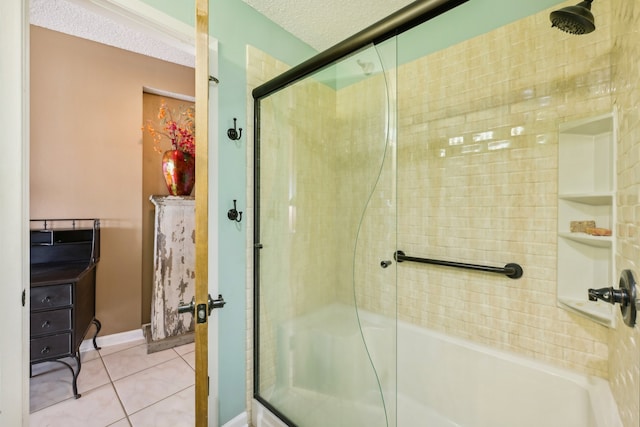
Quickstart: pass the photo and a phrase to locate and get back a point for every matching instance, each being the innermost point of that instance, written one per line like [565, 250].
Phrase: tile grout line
[162, 400]
[115, 390]
[141, 370]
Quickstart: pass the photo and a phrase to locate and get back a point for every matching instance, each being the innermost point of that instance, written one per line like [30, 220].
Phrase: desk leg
[98, 327]
[74, 373]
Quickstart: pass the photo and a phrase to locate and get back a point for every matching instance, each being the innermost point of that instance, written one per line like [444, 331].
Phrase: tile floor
[121, 386]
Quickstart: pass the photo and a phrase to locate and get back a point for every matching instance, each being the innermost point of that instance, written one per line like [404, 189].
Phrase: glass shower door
[325, 236]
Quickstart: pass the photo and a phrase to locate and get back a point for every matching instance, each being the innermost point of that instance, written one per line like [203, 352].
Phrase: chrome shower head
[576, 19]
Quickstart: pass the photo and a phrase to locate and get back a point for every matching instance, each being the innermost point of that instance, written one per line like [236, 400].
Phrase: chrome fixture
[201, 311]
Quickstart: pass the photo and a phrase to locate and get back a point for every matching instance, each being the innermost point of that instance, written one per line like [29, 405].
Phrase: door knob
[216, 303]
[203, 310]
[187, 308]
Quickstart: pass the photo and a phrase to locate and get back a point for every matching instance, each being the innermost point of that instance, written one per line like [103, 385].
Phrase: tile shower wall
[477, 183]
[624, 342]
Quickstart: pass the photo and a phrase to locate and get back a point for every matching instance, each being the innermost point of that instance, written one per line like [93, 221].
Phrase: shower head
[576, 19]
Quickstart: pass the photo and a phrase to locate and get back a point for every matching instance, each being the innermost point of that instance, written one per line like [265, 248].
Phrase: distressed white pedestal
[173, 270]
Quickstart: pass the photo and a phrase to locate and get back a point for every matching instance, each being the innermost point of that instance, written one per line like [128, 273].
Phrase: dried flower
[177, 126]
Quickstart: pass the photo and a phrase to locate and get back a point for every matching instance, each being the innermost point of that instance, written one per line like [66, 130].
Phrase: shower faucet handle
[610, 295]
[626, 295]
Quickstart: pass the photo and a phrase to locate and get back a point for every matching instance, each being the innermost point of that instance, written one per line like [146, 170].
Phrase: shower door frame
[403, 20]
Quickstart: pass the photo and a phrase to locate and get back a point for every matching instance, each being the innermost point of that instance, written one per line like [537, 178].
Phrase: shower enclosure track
[404, 19]
[511, 270]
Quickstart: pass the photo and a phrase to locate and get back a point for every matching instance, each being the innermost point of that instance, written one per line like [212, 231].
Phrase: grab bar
[511, 270]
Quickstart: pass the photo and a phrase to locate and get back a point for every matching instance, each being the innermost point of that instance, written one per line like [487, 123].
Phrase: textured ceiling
[324, 23]
[321, 24]
[81, 18]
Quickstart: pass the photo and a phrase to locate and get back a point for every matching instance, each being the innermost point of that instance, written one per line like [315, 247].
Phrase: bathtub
[442, 381]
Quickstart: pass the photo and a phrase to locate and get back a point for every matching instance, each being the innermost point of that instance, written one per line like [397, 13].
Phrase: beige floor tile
[158, 388]
[48, 387]
[55, 385]
[143, 389]
[135, 359]
[121, 423]
[89, 355]
[190, 358]
[104, 351]
[184, 349]
[174, 411]
[44, 367]
[97, 408]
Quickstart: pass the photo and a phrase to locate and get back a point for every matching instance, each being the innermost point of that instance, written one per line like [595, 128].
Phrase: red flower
[180, 132]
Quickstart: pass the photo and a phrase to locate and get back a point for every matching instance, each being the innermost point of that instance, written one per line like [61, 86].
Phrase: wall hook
[233, 214]
[232, 133]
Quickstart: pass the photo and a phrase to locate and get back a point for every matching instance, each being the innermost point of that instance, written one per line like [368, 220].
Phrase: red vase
[179, 170]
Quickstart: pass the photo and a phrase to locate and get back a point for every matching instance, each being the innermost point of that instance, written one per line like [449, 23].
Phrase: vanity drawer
[50, 322]
[50, 296]
[50, 347]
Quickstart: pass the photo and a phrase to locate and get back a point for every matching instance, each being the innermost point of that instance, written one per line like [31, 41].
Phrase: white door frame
[14, 212]
[14, 196]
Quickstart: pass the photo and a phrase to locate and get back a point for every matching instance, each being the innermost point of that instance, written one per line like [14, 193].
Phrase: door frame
[14, 168]
[14, 214]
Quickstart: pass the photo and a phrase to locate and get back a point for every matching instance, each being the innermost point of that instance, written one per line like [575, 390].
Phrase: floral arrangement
[177, 126]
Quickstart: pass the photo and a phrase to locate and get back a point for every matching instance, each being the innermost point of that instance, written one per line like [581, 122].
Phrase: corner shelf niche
[586, 191]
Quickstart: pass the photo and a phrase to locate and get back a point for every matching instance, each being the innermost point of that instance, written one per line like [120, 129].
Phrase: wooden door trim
[202, 208]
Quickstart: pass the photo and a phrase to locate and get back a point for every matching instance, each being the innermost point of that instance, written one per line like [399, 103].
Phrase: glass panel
[326, 210]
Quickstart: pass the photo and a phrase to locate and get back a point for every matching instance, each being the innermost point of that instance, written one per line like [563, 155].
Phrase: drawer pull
[46, 324]
[45, 350]
[46, 300]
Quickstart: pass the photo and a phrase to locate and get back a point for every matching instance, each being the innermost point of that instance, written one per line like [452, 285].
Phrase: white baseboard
[239, 421]
[113, 339]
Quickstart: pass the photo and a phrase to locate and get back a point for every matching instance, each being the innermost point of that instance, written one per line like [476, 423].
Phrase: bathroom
[460, 161]
[595, 78]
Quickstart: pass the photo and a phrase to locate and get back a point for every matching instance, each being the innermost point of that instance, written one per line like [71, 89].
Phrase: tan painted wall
[87, 156]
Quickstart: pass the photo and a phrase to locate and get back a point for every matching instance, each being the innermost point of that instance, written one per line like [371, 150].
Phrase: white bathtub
[441, 381]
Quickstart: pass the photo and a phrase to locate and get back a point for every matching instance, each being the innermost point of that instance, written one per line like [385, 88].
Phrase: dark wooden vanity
[64, 257]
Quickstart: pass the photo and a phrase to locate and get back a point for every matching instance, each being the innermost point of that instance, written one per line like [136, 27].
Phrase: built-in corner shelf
[587, 239]
[586, 192]
[599, 311]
